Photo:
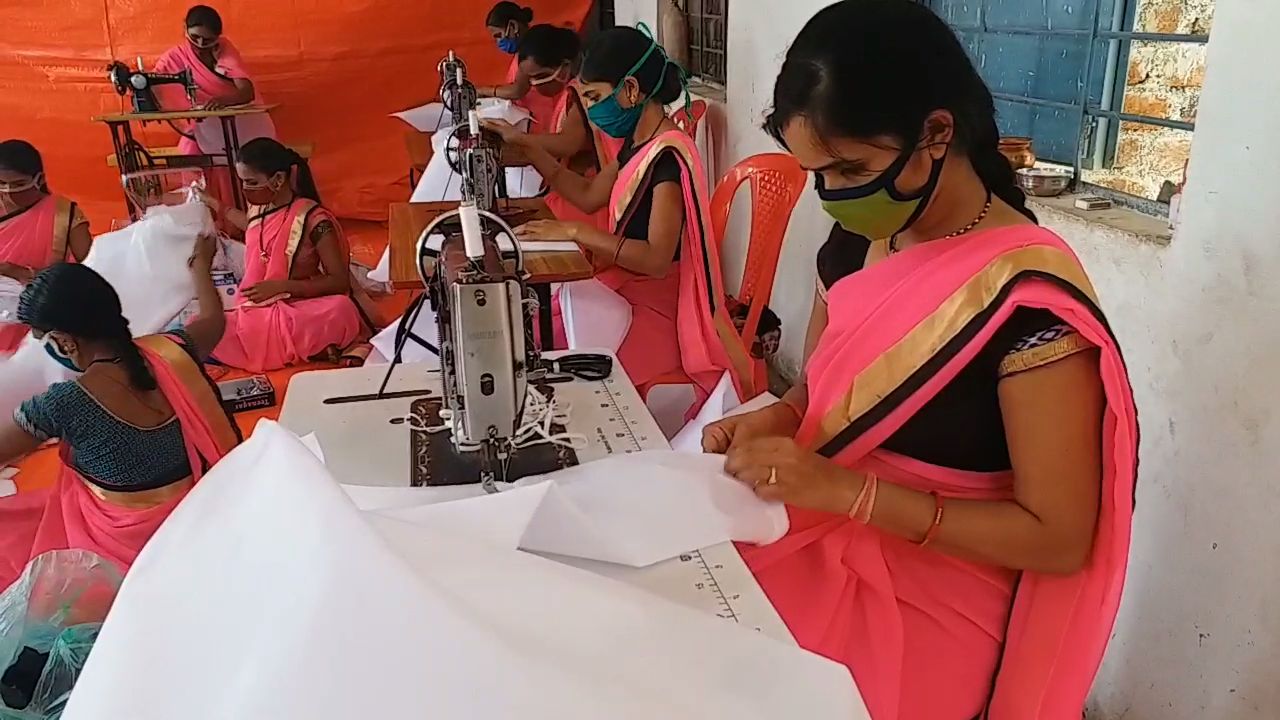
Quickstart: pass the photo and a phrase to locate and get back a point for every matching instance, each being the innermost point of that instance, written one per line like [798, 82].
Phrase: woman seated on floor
[221, 81]
[657, 255]
[959, 459]
[136, 430]
[508, 23]
[295, 301]
[37, 228]
[549, 58]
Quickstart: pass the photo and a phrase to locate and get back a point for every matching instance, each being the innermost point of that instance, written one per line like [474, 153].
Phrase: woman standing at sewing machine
[657, 254]
[136, 429]
[295, 301]
[508, 23]
[37, 228]
[221, 81]
[959, 459]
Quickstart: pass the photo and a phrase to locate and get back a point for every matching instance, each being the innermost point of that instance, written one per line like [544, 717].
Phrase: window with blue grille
[1060, 69]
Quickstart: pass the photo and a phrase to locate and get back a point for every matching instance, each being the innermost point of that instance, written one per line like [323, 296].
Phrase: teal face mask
[58, 356]
[609, 115]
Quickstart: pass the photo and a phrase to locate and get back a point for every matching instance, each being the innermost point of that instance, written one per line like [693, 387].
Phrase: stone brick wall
[1163, 80]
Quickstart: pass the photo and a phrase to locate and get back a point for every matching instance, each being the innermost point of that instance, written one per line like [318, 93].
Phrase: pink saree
[36, 238]
[680, 327]
[274, 335]
[211, 85]
[75, 515]
[606, 148]
[924, 633]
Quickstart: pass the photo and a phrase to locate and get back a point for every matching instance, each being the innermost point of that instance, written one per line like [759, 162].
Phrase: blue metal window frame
[1099, 124]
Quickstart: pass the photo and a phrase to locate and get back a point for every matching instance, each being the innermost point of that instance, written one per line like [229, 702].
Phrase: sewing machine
[456, 92]
[142, 84]
[485, 315]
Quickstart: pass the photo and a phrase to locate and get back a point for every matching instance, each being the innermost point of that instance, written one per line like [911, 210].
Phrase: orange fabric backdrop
[335, 67]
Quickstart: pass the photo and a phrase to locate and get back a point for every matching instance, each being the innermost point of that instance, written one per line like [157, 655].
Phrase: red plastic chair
[688, 118]
[777, 181]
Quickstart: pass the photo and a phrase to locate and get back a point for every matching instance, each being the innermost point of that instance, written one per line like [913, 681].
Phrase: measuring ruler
[713, 580]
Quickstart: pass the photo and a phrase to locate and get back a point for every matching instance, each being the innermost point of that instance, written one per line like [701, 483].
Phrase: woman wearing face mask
[295, 301]
[549, 57]
[137, 429]
[508, 23]
[221, 81]
[37, 228]
[657, 254]
[960, 457]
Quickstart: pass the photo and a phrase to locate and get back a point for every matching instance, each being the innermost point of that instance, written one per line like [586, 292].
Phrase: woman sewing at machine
[508, 23]
[549, 57]
[657, 254]
[959, 458]
[136, 430]
[295, 301]
[37, 228]
[221, 81]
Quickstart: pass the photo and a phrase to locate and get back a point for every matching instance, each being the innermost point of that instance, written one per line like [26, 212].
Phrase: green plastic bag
[56, 609]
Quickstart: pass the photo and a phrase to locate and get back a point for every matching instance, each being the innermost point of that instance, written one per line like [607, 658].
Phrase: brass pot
[1018, 151]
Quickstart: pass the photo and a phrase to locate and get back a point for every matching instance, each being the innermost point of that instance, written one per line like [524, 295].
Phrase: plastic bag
[49, 620]
[10, 291]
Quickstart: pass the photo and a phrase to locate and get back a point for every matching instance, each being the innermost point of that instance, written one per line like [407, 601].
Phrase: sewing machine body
[140, 85]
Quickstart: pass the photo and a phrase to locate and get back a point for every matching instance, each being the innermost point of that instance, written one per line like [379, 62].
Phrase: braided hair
[74, 299]
[851, 74]
[269, 157]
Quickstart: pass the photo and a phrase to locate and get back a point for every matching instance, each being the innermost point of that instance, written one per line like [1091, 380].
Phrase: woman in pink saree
[509, 24]
[549, 56]
[959, 460]
[137, 429]
[221, 81]
[296, 298]
[37, 228]
[657, 254]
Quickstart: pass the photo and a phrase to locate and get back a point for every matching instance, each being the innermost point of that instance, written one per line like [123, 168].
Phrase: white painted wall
[1199, 633]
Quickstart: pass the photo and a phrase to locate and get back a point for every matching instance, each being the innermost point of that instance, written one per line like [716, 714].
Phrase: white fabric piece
[425, 327]
[146, 263]
[722, 403]
[7, 488]
[439, 182]
[594, 315]
[266, 595]
[382, 272]
[433, 117]
[642, 508]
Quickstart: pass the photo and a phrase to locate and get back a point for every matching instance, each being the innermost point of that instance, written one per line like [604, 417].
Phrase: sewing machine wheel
[459, 136]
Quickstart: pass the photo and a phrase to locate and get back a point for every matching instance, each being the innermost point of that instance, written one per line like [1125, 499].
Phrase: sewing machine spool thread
[472, 234]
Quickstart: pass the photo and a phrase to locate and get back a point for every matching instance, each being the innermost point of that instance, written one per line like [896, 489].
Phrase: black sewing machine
[141, 84]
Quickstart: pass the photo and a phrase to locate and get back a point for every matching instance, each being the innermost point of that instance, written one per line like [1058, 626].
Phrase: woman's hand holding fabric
[16, 272]
[781, 471]
[510, 133]
[776, 420]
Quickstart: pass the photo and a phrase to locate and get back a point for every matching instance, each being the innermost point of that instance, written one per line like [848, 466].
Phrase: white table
[365, 444]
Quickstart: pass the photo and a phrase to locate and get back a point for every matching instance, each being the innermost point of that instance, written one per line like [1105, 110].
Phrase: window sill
[1140, 227]
[701, 90]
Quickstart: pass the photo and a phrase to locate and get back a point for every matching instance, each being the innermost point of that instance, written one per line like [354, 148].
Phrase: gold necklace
[893, 241]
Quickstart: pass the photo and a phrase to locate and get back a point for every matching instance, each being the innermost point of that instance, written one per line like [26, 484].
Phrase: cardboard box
[251, 393]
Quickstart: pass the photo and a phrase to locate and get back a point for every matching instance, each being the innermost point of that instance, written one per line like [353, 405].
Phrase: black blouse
[962, 427]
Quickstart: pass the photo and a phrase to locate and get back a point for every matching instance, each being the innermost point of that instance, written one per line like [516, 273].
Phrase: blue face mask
[609, 115]
[509, 45]
[58, 356]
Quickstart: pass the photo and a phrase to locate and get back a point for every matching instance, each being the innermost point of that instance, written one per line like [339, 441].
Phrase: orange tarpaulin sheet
[335, 67]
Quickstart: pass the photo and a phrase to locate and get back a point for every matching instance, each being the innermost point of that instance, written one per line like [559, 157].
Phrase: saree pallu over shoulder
[77, 515]
[709, 344]
[899, 332]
